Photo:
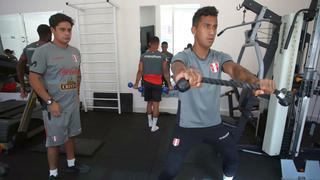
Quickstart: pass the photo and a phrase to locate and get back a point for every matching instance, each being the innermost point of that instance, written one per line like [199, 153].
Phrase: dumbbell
[140, 89]
[165, 90]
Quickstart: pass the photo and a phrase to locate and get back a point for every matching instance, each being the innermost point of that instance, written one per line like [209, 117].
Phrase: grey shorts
[59, 129]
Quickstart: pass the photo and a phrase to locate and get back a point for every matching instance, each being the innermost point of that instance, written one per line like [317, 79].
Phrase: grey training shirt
[200, 107]
[152, 62]
[29, 50]
[59, 68]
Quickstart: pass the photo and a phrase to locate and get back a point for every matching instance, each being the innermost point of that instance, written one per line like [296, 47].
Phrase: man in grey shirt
[152, 68]
[44, 33]
[168, 55]
[198, 112]
[55, 76]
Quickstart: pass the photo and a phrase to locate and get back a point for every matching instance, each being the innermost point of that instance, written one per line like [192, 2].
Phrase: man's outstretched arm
[239, 73]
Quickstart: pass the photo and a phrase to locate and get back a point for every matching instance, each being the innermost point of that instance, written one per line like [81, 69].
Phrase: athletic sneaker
[78, 168]
[227, 178]
[52, 177]
[154, 128]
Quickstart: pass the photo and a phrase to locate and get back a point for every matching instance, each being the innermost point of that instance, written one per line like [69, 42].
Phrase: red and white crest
[176, 142]
[214, 67]
[74, 58]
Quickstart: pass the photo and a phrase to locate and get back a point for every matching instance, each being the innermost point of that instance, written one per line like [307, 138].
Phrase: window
[175, 25]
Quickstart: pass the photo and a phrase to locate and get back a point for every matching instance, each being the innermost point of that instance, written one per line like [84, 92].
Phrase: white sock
[227, 178]
[150, 120]
[154, 125]
[154, 121]
[53, 172]
[71, 162]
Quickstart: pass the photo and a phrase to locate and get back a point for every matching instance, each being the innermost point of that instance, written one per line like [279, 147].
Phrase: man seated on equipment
[55, 76]
[199, 108]
[9, 54]
[44, 33]
[152, 67]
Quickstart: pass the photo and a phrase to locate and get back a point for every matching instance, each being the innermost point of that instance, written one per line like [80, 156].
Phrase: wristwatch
[50, 101]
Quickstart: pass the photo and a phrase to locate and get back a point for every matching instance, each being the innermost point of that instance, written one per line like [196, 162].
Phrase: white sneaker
[150, 122]
[227, 178]
[154, 128]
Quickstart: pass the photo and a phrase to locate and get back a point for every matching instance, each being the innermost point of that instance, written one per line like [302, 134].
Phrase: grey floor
[131, 152]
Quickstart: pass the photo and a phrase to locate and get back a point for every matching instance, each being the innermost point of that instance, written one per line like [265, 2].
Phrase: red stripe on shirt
[153, 78]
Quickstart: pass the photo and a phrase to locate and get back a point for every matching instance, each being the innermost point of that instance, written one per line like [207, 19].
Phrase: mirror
[1, 47]
[147, 26]
[147, 30]
[172, 24]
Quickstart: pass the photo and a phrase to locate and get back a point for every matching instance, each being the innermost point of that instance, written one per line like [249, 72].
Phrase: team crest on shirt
[74, 58]
[175, 142]
[214, 67]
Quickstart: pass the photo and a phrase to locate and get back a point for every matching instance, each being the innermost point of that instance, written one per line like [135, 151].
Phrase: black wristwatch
[50, 101]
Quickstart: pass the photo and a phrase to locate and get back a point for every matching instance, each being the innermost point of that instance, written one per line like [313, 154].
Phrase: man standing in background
[44, 33]
[152, 68]
[168, 55]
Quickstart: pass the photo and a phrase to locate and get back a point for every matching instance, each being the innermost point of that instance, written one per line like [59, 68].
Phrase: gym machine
[252, 38]
[17, 117]
[288, 55]
[295, 166]
[247, 102]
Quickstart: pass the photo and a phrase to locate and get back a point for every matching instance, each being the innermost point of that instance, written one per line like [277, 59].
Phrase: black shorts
[152, 92]
[185, 138]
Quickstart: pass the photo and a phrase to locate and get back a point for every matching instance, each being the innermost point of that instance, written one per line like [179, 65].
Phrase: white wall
[129, 25]
[147, 16]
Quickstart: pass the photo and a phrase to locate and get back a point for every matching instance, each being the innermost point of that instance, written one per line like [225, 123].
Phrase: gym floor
[131, 152]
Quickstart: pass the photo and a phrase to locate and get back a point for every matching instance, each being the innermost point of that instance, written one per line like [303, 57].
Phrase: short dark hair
[154, 39]
[8, 51]
[204, 11]
[55, 19]
[164, 43]
[43, 30]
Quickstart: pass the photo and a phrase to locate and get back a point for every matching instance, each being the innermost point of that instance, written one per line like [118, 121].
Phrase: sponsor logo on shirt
[176, 142]
[31, 49]
[64, 72]
[56, 58]
[69, 85]
[214, 67]
[152, 56]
